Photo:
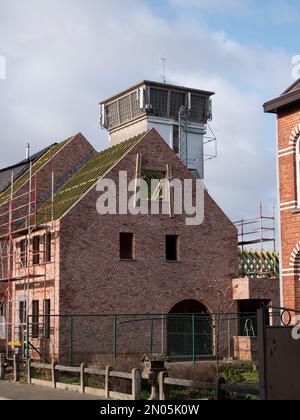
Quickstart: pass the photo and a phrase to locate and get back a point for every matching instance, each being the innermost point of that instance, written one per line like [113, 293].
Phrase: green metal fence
[78, 338]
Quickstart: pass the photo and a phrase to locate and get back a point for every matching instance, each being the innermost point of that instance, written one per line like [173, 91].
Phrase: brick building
[287, 109]
[60, 258]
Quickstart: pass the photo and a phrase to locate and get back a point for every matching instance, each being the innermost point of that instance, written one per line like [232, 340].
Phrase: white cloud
[64, 57]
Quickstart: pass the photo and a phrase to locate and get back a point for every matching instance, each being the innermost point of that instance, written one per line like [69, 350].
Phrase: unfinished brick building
[59, 257]
[287, 109]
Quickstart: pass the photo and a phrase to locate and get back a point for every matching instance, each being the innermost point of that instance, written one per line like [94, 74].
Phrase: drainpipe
[279, 218]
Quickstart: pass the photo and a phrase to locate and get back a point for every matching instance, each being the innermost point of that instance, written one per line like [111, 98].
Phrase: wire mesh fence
[75, 339]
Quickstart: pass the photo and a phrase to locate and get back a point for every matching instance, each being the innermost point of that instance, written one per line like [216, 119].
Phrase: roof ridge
[291, 87]
[21, 180]
[85, 179]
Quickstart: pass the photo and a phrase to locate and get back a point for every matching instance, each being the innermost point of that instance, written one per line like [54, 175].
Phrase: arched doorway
[190, 331]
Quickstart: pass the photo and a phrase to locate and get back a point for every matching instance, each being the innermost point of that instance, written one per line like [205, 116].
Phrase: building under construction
[61, 261]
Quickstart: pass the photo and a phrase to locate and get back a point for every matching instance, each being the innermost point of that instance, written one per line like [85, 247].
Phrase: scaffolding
[24, 266]
[260, 234]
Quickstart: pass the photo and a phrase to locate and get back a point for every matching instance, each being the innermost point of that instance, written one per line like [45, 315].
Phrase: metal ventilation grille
[177, 101]
[159, 102]
[112, 115]
[135, 105]
[125, 109]
[200, 108]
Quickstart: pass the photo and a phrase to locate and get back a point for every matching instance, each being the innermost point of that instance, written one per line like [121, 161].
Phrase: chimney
[27, 151]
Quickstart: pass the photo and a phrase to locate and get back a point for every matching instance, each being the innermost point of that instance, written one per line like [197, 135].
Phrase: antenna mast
[163, 75]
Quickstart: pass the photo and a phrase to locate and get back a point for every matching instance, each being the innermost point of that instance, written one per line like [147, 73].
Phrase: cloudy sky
[64, 56]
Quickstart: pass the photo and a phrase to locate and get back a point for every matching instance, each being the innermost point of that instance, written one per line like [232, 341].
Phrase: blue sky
[63, 57]
[270, 23]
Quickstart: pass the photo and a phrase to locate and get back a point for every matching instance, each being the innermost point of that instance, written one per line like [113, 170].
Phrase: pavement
[12, 391]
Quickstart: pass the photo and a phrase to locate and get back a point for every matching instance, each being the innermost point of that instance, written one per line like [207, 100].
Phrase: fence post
[107, 380]
[136, 384]
[29, 371]
[27, 338]
[115, 338]
[163, 391]
[16, 369]
[262, 354]
[151, 338]
[71, 340]
[194, 339]
[1, 365]
[54, 374]
[220, 395]
[83, 382]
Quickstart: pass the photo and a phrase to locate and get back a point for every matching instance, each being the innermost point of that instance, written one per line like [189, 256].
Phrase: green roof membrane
[85, 179]
[20, 182]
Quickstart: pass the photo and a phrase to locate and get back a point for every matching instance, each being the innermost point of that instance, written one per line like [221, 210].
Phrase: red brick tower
[287, 109]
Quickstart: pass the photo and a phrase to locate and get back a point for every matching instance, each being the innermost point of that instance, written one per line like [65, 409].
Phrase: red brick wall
[69, 158]
[93, 280]
[290, 221]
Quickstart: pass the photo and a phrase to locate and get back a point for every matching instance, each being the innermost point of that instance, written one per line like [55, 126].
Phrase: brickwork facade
[93, 279]
[287, 109]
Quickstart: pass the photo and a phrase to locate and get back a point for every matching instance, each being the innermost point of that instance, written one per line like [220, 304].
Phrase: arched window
[298, 170]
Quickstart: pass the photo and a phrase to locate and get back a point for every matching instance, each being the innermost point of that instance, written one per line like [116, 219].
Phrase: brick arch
[295, 135]
[295, 255]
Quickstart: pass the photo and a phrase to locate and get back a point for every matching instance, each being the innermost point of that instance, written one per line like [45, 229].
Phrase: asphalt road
[12, 391]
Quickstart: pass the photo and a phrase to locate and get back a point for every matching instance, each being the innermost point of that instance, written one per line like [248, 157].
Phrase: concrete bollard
[136, 384]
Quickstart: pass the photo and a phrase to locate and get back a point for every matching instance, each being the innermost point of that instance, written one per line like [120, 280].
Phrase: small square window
[126, 246]
[172, 248]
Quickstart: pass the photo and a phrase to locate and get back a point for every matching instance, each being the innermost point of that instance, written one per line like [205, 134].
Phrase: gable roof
[294, 86]
[289, 97]
[38, 162]
[85, 179]
[18, 169]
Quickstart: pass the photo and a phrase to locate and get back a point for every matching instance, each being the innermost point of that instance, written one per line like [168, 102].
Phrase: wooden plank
[67, 369]
[121, 375]
[91, 371]
[190, 384]
[239, 389]
[41, 366]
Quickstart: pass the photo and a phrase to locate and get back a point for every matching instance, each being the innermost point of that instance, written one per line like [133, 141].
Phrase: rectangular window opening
[36, 250]
[154, 180]
[23, 253]
[35, 318]
[126, 246]
[47, 318]
[172, 248]
[47, 245]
